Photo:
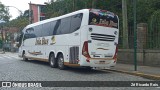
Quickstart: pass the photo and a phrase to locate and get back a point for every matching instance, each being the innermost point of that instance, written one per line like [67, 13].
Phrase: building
[36, 12]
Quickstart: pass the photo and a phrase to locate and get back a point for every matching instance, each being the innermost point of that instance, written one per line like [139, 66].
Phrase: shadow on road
[81, 70]
[36, 62]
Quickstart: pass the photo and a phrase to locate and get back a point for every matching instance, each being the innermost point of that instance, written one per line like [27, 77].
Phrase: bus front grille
[102, 37]
[74, 55]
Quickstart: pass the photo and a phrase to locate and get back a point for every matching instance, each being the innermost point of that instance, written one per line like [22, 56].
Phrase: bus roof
[56, 18]
[59, 17]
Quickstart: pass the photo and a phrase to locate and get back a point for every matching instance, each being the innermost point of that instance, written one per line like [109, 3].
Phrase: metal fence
[148, 36]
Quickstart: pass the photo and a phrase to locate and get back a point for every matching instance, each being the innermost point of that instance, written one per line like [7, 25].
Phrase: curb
[8, 53]
[136, 73]
[2, 52]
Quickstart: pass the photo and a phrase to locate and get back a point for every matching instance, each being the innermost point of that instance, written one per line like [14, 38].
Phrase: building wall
[144, 57]
[34, 9]
[37, 12]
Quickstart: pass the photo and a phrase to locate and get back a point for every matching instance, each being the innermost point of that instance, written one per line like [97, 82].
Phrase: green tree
[4, 13]
[61, 7]
[20, 22]
[145, 10]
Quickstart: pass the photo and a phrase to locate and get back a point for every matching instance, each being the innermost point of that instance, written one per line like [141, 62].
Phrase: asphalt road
[13, 68]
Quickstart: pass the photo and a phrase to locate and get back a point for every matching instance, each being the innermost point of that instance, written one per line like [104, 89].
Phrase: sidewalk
[2, 52]
[143, 71]
[148, 72]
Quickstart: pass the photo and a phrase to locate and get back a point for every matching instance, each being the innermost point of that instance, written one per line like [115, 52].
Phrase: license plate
[101, 62]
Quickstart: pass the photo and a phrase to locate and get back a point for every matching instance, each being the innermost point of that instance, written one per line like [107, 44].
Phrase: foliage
[146, 10]
[4, 13]
[61, 7]
[154, 31]
[20, 22]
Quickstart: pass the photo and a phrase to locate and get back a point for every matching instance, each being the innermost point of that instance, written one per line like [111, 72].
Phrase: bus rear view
[99, 39]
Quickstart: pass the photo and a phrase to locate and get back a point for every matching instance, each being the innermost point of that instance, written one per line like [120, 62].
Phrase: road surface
[13, 68]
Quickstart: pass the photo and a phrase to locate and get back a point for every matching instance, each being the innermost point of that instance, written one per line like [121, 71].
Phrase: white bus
[84, 38]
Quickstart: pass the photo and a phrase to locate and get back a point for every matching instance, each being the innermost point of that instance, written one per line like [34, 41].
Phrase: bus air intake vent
[102, 37]
[74, 55]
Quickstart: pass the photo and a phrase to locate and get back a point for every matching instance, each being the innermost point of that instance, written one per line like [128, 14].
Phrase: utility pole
[125, 24]
[135, 35]
[30, 13]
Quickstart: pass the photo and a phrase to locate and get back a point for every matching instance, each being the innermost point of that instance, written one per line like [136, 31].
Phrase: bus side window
[37, 31]
[29, 30]
[29, 34]
[65, 26]
[46, 28]
[76, 22]
[26, 36]
[52, 27]
[57, 26]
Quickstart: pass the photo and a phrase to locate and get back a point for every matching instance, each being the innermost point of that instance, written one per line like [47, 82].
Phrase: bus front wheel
[52, 61]
[61, 65]
[24, 57]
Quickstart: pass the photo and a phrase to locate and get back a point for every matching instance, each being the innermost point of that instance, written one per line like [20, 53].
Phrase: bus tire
[61, 65]
[52, 61]
[24, 57]
[89, 68]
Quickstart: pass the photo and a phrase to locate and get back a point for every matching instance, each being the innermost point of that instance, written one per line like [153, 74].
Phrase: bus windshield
[103, 18]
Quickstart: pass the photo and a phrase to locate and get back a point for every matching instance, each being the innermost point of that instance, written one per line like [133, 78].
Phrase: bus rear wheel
[61, 65]
[52, 61]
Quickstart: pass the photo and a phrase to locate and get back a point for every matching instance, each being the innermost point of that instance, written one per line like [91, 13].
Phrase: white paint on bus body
[101, 40]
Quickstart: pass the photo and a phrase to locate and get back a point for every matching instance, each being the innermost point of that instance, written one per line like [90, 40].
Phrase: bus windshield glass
[103, 18]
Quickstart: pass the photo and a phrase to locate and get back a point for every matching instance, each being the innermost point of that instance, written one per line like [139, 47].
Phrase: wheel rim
[60, 62]
[52, 60]
[24, 58]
